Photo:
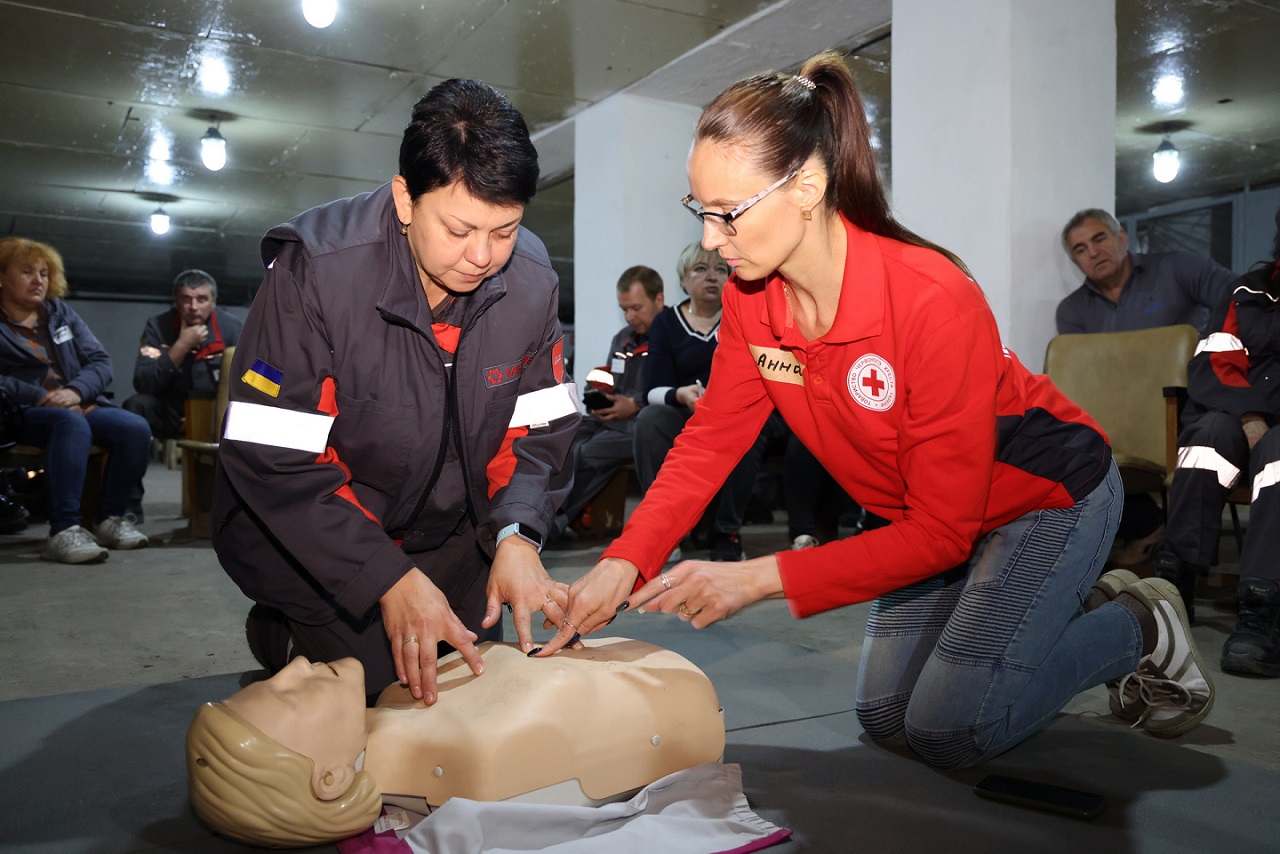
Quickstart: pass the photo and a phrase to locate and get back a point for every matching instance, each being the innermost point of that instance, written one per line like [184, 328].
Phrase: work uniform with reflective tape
[366, 437]
[1235, 370]
[911, 404]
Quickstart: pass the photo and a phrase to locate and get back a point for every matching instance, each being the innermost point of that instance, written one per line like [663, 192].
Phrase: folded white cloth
[700, 810]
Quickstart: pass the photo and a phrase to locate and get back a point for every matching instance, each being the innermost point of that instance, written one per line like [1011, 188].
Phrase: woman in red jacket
[884, 358]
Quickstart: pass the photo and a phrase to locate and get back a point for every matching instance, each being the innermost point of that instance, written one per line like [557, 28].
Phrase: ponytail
[781, 120]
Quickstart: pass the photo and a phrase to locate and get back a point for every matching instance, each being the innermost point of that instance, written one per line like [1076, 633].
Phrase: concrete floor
[168, 613]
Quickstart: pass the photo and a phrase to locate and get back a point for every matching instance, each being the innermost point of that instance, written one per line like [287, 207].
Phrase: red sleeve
[950, 375]
[726, 423]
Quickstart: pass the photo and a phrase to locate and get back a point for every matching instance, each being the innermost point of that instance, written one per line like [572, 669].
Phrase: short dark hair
[646, 276]
[467, 132]
[194, 278]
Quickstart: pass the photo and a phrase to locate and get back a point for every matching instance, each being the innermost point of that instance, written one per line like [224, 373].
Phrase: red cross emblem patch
[872, 383]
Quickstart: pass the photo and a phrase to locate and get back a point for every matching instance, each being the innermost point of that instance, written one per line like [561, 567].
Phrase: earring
[404, 228]
[808, 214]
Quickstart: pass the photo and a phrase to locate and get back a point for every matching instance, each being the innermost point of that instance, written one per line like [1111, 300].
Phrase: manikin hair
[250, 787]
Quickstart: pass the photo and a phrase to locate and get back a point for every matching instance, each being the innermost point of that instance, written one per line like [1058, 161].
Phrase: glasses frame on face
[724, 221]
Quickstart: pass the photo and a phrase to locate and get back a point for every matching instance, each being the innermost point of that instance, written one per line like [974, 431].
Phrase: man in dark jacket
[181, 354]
[605, 437]
[1228, 438]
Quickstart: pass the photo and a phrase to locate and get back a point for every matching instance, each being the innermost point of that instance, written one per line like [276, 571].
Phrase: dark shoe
[726, 547]
[13, 516]
[1254, 647]
[1182, 575]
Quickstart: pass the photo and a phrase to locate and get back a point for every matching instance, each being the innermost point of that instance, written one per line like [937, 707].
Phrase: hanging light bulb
[160, 221]
[319, 13]
[1164, 162]
[213, 150]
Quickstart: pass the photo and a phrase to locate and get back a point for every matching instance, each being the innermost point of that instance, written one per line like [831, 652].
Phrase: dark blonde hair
[782, 119]
[20, 250]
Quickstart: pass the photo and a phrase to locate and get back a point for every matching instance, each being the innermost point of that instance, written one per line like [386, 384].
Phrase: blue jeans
[67, 436]
[971, 662]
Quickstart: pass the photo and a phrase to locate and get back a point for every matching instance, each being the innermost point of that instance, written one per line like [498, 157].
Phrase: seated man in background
[1228, 431]
[180, 357]
[604, 440]
[1123, 291]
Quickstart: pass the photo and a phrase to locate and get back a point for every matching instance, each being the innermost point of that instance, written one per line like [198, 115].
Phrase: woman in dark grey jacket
[56, 369]
[399, 421]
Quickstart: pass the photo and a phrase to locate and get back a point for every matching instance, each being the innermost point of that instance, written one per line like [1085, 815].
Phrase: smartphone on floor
[1041, 796]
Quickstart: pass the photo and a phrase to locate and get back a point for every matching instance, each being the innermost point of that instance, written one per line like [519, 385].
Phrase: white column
[629, 176]
[1004, 116]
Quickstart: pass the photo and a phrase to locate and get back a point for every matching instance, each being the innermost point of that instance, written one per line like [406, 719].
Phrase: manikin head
[274, 764]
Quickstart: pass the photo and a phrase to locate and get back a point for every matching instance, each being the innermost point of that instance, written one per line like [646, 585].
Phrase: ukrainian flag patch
[264, 378]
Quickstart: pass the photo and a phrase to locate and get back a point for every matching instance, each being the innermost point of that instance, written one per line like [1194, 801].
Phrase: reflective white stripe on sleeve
[1269, 476]
[280, 428]
[1220, 342]
[543, 406]
[1204, 457]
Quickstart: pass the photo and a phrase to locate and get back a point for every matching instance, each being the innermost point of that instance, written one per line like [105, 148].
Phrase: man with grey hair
[180, 356]
[1124, 290]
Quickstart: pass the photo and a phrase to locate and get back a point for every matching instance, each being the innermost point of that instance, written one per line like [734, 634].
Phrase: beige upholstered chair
[1120, 379]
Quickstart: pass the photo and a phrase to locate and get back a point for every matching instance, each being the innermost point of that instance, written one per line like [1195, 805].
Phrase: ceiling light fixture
[1164, 162]
[213, 148]
[319, 13]
[1168, 91]
[160, 221]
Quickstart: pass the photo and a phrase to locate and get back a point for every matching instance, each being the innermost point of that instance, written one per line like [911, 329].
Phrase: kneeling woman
[884, 358]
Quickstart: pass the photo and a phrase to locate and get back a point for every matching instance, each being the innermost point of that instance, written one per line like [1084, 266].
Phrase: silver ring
[409, 640]
[666, 582]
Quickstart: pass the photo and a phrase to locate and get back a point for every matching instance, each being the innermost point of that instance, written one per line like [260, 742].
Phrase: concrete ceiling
[103, 103]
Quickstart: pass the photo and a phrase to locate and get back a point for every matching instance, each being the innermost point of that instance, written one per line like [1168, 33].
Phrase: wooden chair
[203, 426]
[1119, 378]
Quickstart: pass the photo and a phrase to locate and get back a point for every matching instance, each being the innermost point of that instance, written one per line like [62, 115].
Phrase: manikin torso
[584, 726]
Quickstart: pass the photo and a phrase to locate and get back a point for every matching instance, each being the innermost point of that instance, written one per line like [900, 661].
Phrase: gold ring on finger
[548, 599]
[570, 625]
[685, 612]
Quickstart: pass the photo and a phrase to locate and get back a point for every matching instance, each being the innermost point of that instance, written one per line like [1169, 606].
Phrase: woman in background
[56, 369]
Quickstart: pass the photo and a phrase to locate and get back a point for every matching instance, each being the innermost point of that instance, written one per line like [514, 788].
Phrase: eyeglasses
[723, 222]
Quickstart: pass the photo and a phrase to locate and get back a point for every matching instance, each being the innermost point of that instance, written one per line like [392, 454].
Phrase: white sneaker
[1172, 681]
[119, 532]
[73, 545]
[804, 541]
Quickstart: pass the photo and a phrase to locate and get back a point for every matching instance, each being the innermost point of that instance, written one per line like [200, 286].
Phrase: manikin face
[24, 284]
[1099, 252]
[720, 179]
[638, 309]
[194, 304]
[317, 710]
[457, 240]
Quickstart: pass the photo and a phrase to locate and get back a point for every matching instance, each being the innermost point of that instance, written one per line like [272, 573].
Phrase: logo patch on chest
[777, 365]
[497, 375]
[872, 383]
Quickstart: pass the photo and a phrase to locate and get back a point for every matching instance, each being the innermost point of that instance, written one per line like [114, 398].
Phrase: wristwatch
[524, 532]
